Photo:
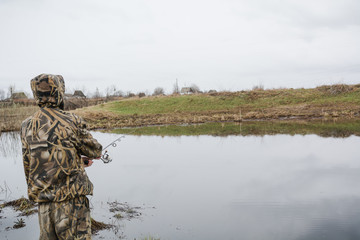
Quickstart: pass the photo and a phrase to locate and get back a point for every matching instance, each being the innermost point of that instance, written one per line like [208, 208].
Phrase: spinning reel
[105, 156]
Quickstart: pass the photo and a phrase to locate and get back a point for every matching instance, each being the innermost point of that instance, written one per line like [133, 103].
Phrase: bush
[259, 87]
[336, 89]
[194, 88]
[158, 91]
[130, 94]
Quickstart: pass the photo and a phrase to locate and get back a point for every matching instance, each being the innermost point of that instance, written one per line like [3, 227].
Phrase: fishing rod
[105, 156]
[104, 153]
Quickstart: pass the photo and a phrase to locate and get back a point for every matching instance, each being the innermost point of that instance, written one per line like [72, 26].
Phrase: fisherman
[56, 147]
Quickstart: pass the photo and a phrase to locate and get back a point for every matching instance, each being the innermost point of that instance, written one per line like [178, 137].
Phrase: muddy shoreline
[108, 120]
[25, 208]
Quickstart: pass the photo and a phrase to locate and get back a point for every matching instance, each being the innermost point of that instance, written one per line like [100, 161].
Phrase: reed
[12, 117]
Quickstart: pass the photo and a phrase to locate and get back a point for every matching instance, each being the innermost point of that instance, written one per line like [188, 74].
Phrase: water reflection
[271, 187]
[337, 129]
[324, 219]
[10, 145]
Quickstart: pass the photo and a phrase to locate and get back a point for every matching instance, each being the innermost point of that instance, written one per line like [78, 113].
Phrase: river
[204, 187]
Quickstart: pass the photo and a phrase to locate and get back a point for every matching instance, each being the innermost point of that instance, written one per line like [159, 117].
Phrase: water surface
[205, 187]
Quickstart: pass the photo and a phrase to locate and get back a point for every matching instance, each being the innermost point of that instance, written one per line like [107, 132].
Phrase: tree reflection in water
[10, 145]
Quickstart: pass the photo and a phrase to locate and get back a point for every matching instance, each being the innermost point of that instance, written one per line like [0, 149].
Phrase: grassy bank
[260, 99]
[326, 102]
[258, 128]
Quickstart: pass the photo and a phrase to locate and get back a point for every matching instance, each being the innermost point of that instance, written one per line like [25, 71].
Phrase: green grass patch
[259, 99]
[173, 104]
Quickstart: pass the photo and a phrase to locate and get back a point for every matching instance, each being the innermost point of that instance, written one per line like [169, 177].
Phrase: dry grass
[23, 205]
[12, 117]
[337, 88]
[20, 223]
[13, 113]
[98, 226]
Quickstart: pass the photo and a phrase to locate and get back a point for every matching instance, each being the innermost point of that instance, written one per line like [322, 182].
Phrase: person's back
[53, 141]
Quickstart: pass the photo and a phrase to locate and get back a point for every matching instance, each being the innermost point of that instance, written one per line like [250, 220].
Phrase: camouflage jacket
[52, 143]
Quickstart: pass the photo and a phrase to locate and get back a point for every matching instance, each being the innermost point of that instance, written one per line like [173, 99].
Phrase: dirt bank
[105, 119]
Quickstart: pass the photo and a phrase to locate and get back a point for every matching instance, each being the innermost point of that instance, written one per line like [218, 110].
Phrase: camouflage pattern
[65, 220]
[52, 143]
[48, 90]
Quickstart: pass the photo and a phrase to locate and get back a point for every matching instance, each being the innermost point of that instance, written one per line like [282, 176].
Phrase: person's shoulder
[25, 125]
[28, 120]
[64, 114]
[72, 116]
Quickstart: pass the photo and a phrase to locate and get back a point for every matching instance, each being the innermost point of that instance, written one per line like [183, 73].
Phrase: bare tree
[141, 94]
[176, 89]
[119, 93]
[130, 94]
[11, 90]
[107, 92]
[112, 91]
[194, 88]
[85, 91]
[158, 91]
[69, 91]
[258, 87]
[97, 93]
[2, 94]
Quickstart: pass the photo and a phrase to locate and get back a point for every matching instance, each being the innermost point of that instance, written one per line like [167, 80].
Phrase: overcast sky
[138, 45]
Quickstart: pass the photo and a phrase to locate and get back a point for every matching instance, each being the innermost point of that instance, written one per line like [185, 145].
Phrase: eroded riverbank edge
[109, 120]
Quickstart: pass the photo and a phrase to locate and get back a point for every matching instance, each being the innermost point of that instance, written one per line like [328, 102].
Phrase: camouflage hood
[48, 90]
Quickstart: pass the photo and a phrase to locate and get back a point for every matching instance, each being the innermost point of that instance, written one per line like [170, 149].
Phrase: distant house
[18, 95]
[76, 100]
[19, 98]
[186, 90]
[79, 94]
[190, 90]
